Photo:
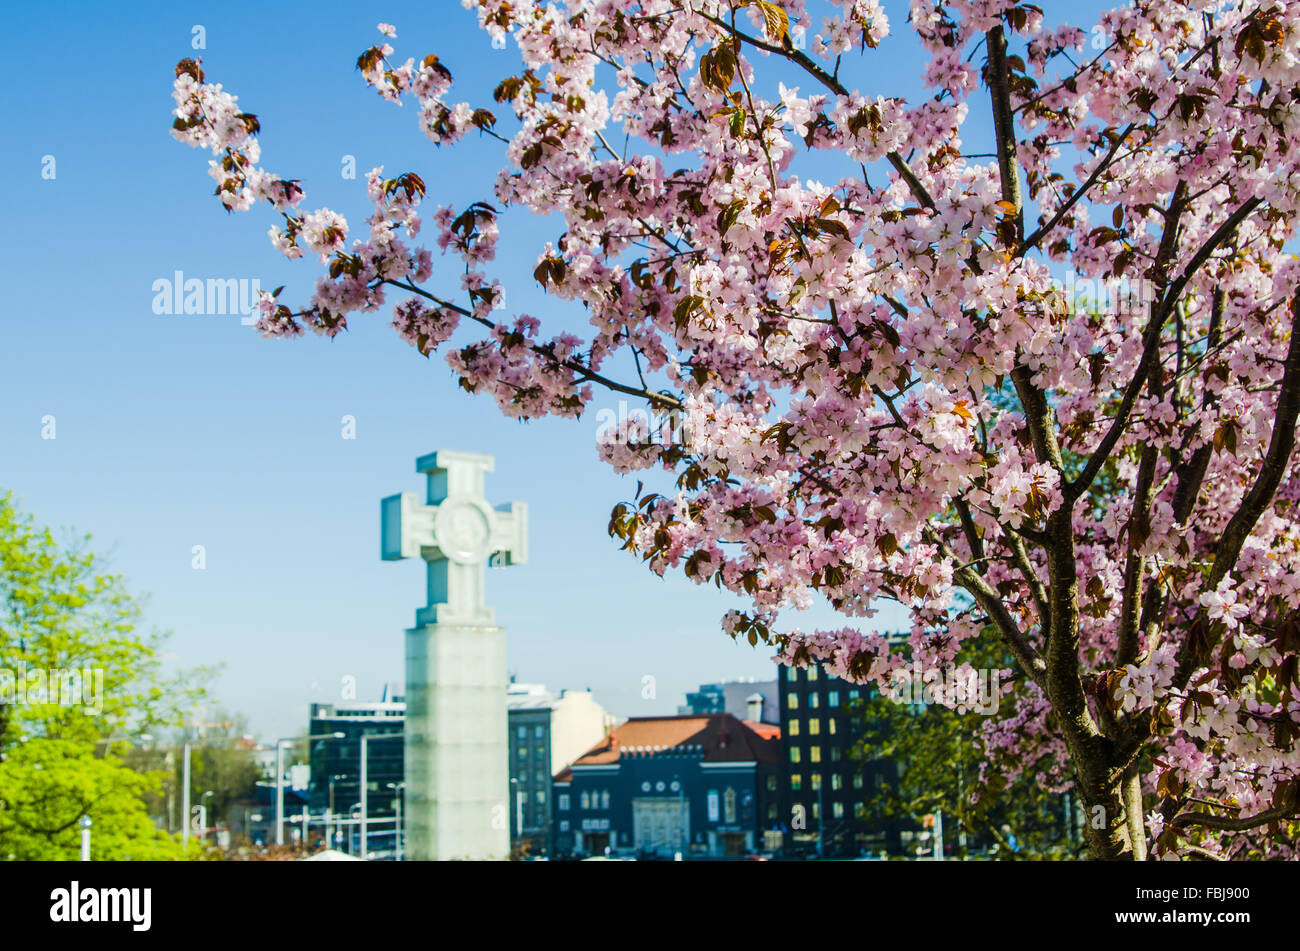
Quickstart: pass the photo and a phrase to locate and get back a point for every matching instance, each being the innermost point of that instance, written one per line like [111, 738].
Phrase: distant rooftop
[717, 738]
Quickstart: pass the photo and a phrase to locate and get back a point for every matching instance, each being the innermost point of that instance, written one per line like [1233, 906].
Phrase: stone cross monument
[457, 780]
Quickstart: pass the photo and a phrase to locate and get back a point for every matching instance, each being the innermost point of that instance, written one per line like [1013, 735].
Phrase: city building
[336, 762]
[702, 786]
[547, 732]
[736, 697]
[825, 786]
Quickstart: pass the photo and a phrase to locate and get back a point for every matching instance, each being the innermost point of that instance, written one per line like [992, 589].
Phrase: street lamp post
[185, 800]
[279, 790]
[85, 838]
[355, 813]
[279, 776]
[681, 815]
[365, 813]
[329, 812]
[519, 809]
[397, 792]
[203, 815]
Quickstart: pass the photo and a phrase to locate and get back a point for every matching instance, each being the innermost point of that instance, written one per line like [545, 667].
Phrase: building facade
[825, 785]
[547, 732]
[701, 786]
[754, 700]
[336, 764]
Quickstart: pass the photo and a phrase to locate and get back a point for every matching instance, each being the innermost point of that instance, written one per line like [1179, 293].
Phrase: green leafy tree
[220, 764]
[78, 680]
[946, 762]
[938, 756]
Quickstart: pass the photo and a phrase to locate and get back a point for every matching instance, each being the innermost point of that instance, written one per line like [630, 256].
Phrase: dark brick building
[704, 786]
[824, 787]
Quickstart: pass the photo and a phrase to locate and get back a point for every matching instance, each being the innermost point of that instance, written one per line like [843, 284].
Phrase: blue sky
[177, 431]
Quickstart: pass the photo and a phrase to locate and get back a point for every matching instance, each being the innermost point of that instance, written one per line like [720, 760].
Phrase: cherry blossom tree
[888, 387]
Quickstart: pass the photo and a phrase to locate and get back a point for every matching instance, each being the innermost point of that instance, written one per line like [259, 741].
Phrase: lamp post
[185, 800]
[519, 808]
[203, 815]
[365, 816]
[397, 791]
[85, 838]
[329, 811]
[279, 776]
[681, 814]
[355, 814]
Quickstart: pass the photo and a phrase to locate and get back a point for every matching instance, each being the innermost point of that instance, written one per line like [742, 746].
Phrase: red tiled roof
[722, 738]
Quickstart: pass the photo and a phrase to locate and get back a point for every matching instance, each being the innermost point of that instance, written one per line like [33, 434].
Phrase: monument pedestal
[457, 776]
[457, 767]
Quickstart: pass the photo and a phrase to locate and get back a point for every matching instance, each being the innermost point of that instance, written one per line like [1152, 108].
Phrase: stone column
[457, 775]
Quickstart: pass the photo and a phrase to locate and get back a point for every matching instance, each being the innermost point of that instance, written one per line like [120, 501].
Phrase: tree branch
[1281, 443]
[914, 184]
[1151, 347]
[1026, 656]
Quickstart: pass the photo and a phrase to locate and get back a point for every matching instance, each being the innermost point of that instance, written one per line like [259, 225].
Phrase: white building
[577, 721]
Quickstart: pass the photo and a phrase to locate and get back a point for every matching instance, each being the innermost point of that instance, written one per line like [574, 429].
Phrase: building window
[814, 700]
[522, 752]
[854, 694]
[857, 781]
[771, 810]
[835, 753]
[833, 699]
[792, 701]
[792, 674]
[604, 799]
[830, 726]
[816, 810]
[729, 805]
[814, 754]
[837, 782]
[539, 731]
[837, 810]
[796, 781]
[794, 754]
[771, 784]
[541, 797]
[814, 727]
[541, 752]
[521, 732]
[585, 801]
[812, 673]
[564, 825]
[713, 805]
[564, 802]
[816, 781]
[794, 727]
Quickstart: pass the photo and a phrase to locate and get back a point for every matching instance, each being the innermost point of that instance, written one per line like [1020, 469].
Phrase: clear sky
[177, 431]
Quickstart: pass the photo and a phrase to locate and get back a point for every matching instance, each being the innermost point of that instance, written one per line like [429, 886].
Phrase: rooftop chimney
[754, 707]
